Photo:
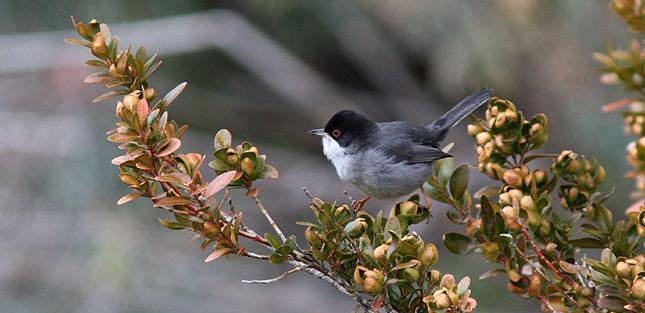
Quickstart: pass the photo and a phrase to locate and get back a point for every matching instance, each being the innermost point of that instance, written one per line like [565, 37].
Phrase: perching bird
[391, 159]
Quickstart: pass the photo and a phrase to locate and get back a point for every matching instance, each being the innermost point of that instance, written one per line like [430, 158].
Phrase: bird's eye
[336, 133]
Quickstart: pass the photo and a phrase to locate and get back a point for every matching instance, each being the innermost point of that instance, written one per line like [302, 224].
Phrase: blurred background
[268, 71]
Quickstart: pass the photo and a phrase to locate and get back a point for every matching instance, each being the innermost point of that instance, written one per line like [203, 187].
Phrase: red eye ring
[336, 133]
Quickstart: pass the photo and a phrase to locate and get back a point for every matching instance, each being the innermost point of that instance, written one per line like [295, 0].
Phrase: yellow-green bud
[490, 250]
[535, 284]
[411, 274]
[474, 227]
[638, 288]
[373, 282]
[247, 166]
[312, 237]
[483, 138]
[149, 94]
[211, 229]
[473, 130]
[527, 203]
[600, 175]
[429, 255]
[540, 177]
[129, 180]
[624, 269]
[435, 276]
[513, 178]
[550, 248]
[516, 194]
[408, 208]
[441, 299]
[99, 48]
[380, 253]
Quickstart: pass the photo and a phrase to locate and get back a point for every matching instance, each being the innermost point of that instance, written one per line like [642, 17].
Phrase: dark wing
[405, 141]
[425, 154]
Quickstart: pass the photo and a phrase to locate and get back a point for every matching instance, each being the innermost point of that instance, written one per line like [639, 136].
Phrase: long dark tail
[441, 126]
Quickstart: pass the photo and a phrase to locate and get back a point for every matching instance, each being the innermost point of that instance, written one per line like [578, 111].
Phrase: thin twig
[264, 211]
[272, 280]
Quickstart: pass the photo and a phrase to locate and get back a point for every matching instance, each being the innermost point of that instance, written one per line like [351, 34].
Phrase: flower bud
[505, 199]
[490, 250]
[483, 138]
[638, 288]
[429, 256]
[356, 228]
[149, 94]
[408, 208]
[473, 130]
[540, 177]
[380, 253]
[232, 159]
[441, 299]
[435, 276]
[600, 174]
[210, 229]
[247, 166]
[474, 227]
[513, 178]
[573, 194]
[373, 282]
[500, 121]
[535, 284]
[411, 274]
[99, 48]
[312, 237]
[516, 194]
[550, 248]
[120, 110]
[494, 170]
[545, 228]
[624, 269]
[527, 203]
[130, 101]
[573, 167]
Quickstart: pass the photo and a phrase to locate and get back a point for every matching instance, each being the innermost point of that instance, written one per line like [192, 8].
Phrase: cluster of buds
[636, 216]
[632, 272]
[582, 177]
[623, 67]
[636, 153]
[634, 119]
[632, 11]
[370, 280]
[244, 158]
[451, 296]
[505, 132]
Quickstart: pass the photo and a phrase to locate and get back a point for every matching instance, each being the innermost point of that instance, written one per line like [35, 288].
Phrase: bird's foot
[357, 205]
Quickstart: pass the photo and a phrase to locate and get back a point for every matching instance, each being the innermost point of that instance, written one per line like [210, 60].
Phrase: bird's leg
[357, 205]
[425, 199]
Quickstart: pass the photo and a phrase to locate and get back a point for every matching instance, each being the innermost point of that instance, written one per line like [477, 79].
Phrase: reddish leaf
[125, 158]
[218, 184]
[175, 178]
[217, 253]
[378, 302]
[172, 146]
[142, 111]
[127, 198]
[172, 201]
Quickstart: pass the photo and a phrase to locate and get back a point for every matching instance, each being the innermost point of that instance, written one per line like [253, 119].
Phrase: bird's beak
[317, 132]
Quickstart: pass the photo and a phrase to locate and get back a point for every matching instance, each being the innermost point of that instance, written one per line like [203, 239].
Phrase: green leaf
[171, 225]
[273, 240]
[222, 139]
[276, 258]
[458, 243]
[459, 181]
[488, 191]
[392, 225]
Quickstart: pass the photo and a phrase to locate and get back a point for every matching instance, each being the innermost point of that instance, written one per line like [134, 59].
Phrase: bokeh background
[268, 71]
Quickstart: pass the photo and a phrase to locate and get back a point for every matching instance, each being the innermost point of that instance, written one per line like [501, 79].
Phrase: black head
[347, 126]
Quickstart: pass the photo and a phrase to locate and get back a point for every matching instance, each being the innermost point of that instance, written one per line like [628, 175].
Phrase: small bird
[390, 159]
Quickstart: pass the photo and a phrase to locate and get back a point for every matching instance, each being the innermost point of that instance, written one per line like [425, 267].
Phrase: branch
[264, 211]
[272, 280]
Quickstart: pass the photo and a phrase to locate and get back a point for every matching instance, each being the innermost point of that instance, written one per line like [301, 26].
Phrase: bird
[388, 160]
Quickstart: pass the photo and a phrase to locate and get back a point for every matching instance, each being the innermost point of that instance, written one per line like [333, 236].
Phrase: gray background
[268, 71]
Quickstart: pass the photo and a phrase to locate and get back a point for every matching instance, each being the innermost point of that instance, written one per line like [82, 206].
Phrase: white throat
[338, 156]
